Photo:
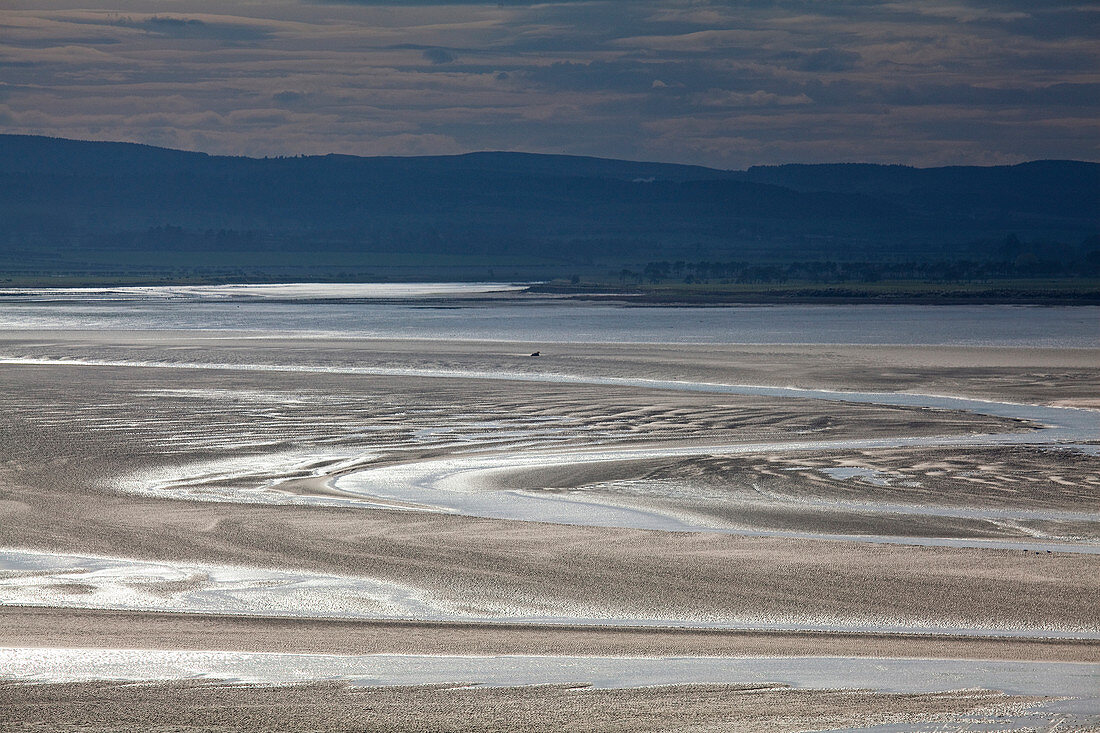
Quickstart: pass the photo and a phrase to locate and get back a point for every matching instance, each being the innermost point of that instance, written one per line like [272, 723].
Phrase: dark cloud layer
[192, 28]
[723, 83]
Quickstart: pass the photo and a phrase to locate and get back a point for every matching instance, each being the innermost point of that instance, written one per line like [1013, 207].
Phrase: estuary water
[372, 670]
[498, 311]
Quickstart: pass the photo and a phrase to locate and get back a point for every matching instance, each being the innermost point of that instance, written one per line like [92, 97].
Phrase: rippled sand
[335, 707]
[230, 467]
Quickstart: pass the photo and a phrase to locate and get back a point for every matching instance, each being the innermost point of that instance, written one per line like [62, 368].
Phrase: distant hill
[118, 209]
[1051, 188]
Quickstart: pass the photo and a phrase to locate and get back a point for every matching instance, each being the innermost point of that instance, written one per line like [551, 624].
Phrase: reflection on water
[488, 312]
[1076, 680]
[61, 580]
[456, 484]
[242, 292]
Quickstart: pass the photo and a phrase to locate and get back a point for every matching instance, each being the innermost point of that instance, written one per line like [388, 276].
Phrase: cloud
[829, 59]
[759, 98]
[288, 98]
[417, 144]
[719, 82]
[439, 56]
[177, 27]
[1057, 23]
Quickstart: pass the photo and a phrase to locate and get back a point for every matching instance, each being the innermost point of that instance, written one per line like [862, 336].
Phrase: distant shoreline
[1014, 292]
[1017, 293]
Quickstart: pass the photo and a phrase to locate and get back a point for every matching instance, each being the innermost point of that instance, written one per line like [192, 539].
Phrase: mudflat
[182, 448]
[337, 707]
[64, 627]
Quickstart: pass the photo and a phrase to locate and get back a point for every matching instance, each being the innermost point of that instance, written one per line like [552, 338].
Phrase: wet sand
[80, 437]
[1036, 375]
[504, 569]
[61, 628]
[337, 707]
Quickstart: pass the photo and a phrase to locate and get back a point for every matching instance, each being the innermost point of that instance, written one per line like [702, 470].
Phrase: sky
[722, 83]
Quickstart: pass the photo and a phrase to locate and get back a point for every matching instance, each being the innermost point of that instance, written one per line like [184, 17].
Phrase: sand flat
[337, 707]
[64, 627]
[216, 436]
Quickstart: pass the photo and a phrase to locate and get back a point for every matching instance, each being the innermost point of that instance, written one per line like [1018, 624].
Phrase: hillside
[95, 209]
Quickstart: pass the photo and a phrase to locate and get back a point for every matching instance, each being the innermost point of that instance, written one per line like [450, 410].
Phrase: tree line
[1023, 266]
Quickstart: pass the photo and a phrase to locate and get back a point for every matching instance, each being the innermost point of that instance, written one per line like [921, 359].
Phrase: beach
[346, 496]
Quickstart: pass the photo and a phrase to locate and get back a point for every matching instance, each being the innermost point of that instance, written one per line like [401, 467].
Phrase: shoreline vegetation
[1023, 292]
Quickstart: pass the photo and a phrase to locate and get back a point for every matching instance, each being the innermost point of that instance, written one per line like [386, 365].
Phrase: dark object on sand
[536, 354]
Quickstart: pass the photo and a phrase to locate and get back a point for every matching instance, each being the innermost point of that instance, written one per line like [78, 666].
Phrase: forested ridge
[98, 209]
